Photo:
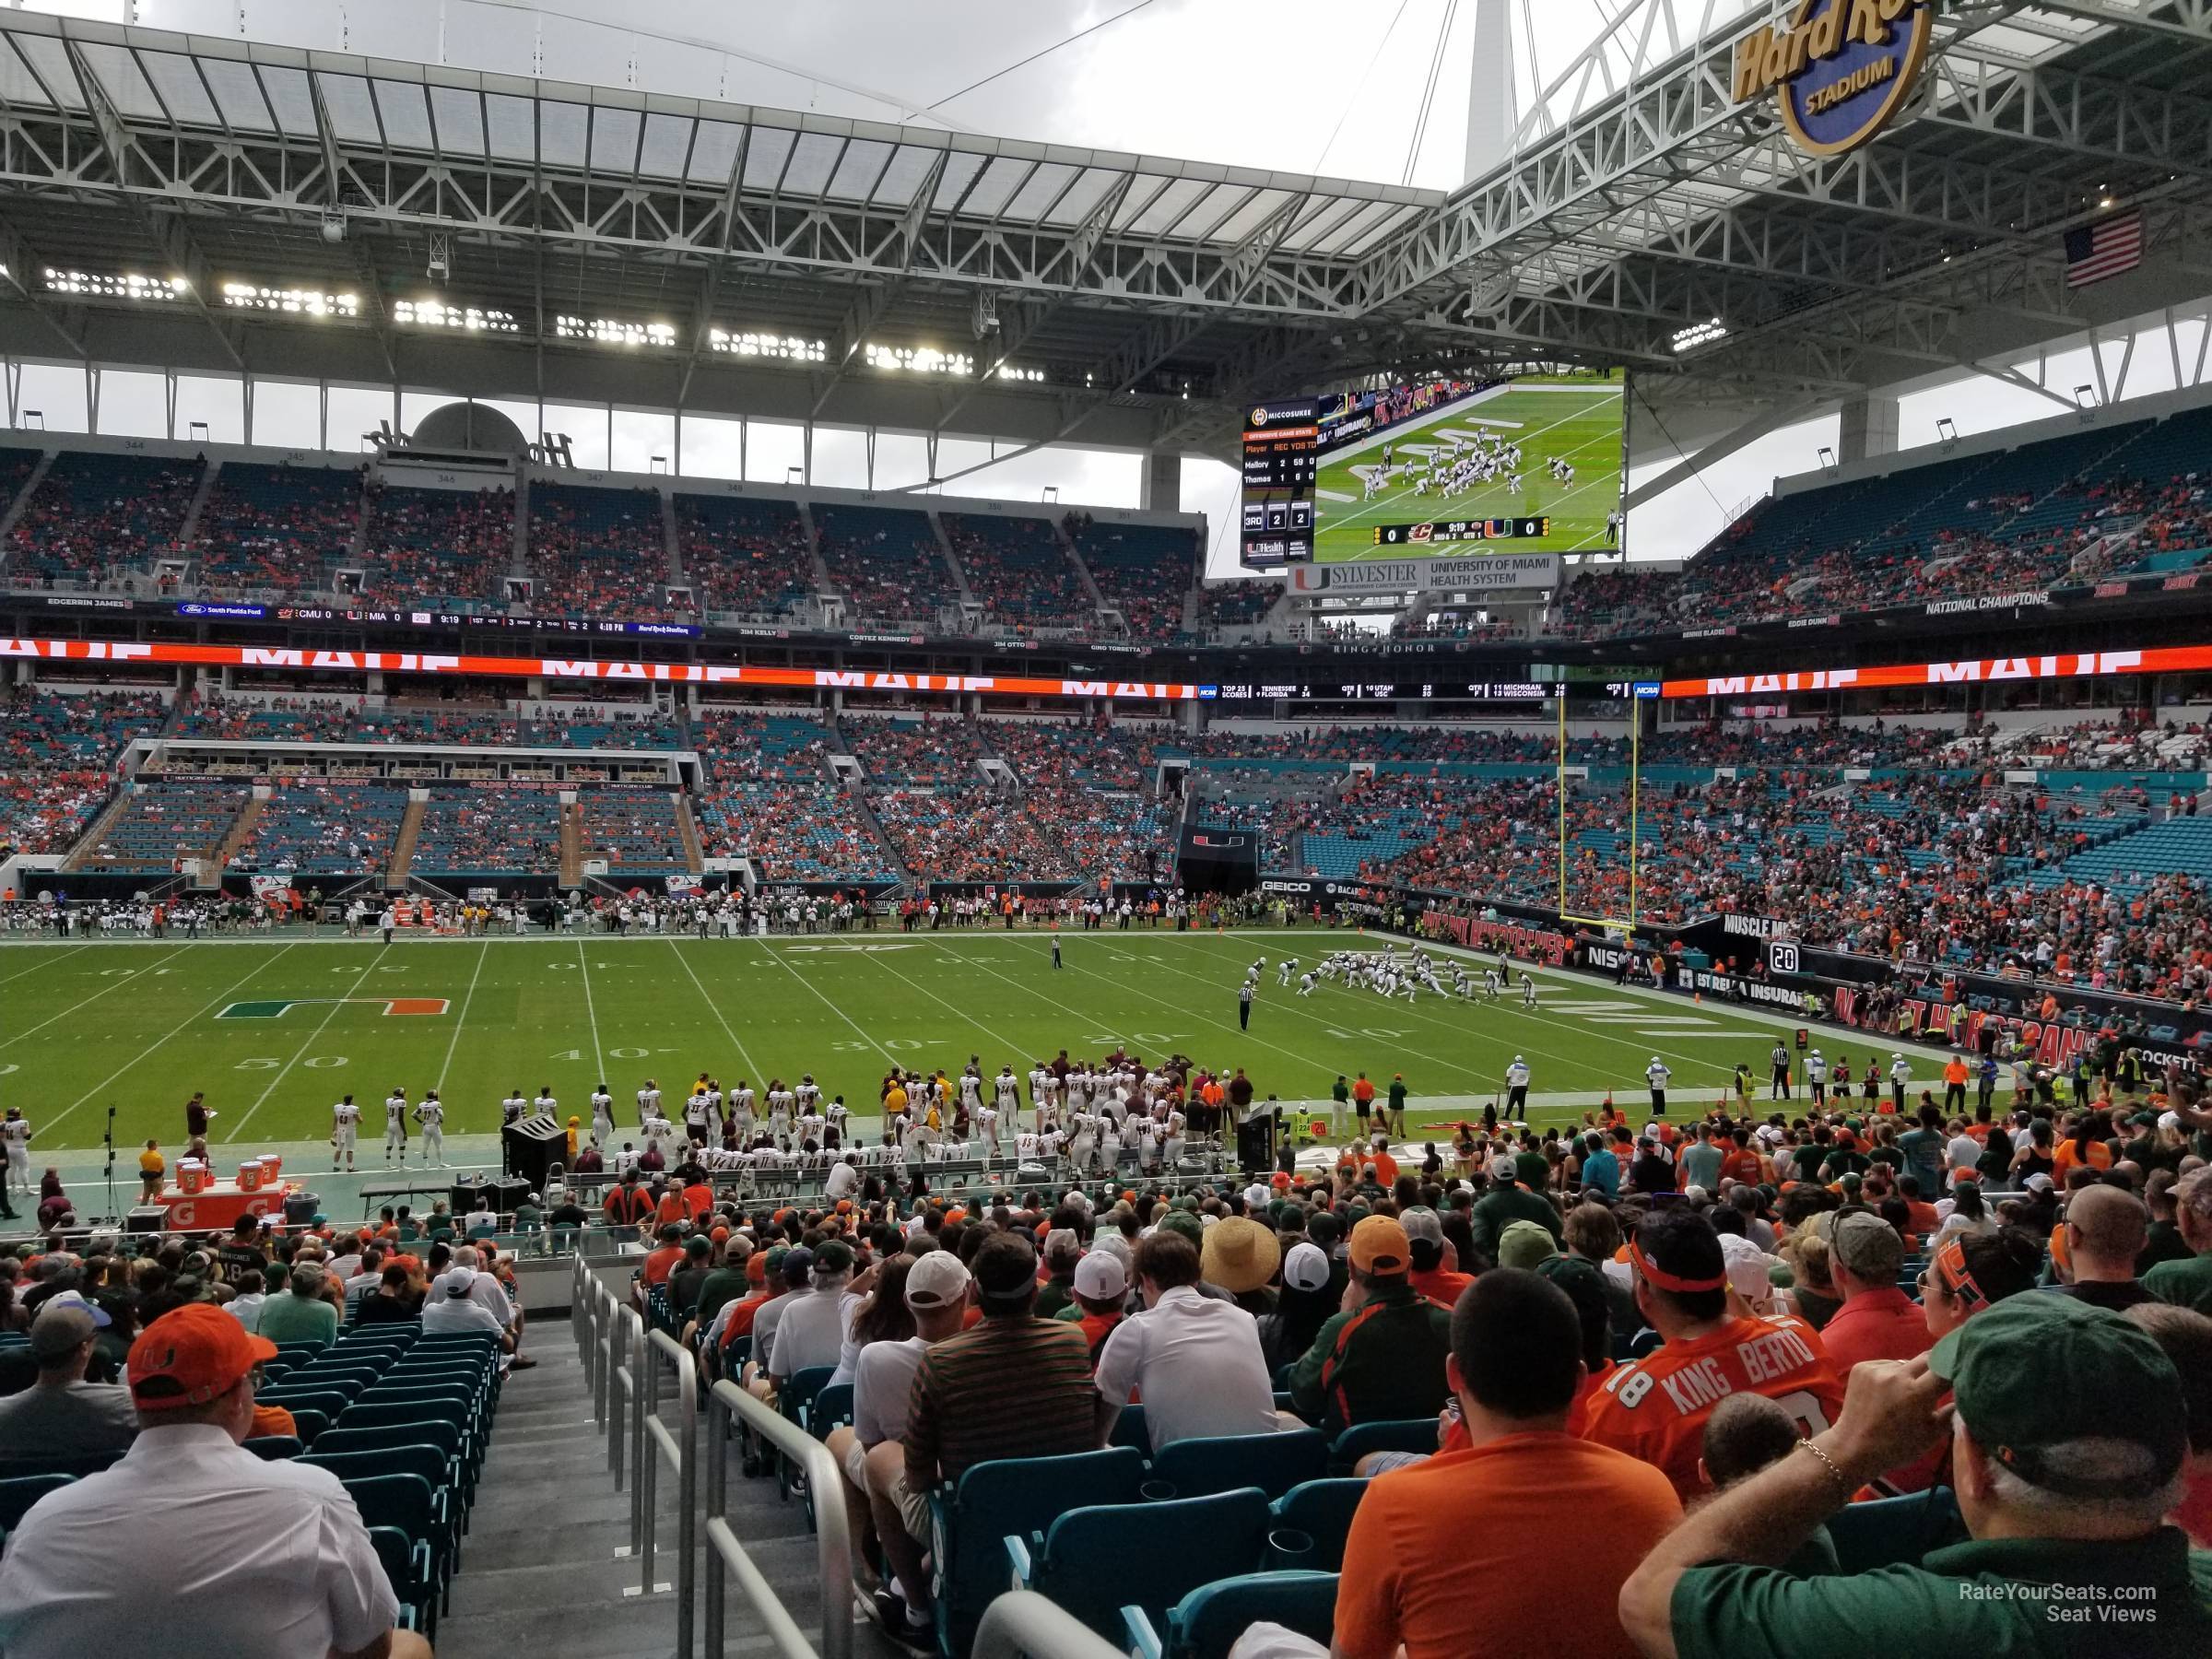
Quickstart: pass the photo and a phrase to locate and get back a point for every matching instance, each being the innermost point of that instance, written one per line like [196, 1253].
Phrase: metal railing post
[663, 1442]
[726, 1555]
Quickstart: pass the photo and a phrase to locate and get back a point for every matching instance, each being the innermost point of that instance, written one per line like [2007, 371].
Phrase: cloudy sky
[1291, 85]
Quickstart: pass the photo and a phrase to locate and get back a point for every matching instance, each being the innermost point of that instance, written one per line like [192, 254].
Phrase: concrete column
[1869, 430]
[1160, 487]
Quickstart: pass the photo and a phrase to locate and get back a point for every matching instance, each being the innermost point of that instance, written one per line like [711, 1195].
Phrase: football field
[275, 1031]
[1577, 422]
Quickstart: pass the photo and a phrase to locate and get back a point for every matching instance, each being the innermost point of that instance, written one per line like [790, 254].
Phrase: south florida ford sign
[1839, 69]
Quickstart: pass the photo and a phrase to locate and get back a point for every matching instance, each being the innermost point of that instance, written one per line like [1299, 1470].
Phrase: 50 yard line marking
[162, 1041]
[239, 1128]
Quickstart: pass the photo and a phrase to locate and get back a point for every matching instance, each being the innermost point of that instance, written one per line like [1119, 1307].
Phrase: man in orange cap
[271, 1557]
[1382, 1358]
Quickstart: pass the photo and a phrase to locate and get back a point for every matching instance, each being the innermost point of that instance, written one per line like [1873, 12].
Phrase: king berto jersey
[1654, 1408]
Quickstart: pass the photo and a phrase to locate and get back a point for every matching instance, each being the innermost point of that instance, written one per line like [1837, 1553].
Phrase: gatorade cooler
[192, 1175]
[249, 1175]
[272, 1167]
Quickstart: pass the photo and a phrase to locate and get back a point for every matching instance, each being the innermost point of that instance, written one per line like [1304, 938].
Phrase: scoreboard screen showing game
[1531, 464]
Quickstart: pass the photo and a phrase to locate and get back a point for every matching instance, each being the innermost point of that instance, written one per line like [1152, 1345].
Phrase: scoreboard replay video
[1285, 442]
[1282, 450]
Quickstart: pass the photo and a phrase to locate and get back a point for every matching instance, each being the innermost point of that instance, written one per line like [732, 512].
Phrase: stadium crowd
[437, 544]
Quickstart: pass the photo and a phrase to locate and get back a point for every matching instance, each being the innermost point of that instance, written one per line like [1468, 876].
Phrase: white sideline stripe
[159, 1043]
[285, 1071]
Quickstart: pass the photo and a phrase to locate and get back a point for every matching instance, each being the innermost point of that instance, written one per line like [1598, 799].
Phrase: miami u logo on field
[277, 1007]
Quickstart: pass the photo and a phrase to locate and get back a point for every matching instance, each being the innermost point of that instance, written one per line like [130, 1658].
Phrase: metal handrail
[824, 1484]
[657, 1442]
[1022, 1622]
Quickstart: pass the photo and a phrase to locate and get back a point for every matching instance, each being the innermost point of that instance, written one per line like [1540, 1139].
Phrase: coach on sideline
[191, 1544]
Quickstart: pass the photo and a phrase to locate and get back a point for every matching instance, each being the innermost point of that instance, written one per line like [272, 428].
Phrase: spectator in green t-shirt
[2063, 1489]
[298, 1314]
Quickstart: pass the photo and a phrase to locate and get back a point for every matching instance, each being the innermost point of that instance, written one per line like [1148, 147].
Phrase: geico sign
[1839, 69]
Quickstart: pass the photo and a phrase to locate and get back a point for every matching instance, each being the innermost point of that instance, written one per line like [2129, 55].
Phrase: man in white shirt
[270, 1558]
[1656, 1073]
[1196, 1359]
[844, 1178]
[452, 1309]
[811, 1331]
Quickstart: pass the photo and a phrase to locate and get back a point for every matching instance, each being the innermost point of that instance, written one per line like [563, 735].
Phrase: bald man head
[2107, 1227]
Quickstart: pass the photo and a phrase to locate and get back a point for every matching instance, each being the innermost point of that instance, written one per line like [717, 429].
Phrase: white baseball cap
[938, 1279]
[1306, 1268]
[1099, 1277]
[1746, 1266]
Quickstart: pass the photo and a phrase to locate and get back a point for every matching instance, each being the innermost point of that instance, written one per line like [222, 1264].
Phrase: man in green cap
[1508, 1201]
[2067, 1438]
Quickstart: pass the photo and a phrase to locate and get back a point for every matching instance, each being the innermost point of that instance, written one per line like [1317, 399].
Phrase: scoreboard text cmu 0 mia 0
[1461, 530]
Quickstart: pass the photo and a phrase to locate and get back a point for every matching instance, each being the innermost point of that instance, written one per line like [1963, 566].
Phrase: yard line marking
[163, 1042]
[591, 1012]
[466, 997]
[239, 1128]
[970, 1018]
[96, 995]
[743, 1052]
[837, 1008]
[65, 955]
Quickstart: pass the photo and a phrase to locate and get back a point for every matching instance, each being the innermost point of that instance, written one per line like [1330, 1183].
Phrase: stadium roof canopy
[356, 219]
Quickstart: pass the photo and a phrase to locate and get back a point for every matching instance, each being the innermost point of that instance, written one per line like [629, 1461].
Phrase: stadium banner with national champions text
[1495, 575]
[307, 660]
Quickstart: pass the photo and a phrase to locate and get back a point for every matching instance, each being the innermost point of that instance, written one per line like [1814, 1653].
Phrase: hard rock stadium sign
[1839, 69]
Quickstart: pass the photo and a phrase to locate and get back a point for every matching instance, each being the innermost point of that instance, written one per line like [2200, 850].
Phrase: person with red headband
[1655, 1407]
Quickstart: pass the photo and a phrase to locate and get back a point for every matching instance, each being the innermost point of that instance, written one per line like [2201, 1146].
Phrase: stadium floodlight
[1946, 431]
[301, 302]
[752, 343]
[1009, 373]
[1828, 459]
[921, 359]
[127, 285]
[469, 319]
[612, 331]
[1699, 333]
[2085, 396]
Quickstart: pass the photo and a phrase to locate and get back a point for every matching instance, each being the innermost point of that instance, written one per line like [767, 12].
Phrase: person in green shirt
[2067, 1440]
[1508, 1201]
[1381, 1360]
[2189, 1283]
[1342, 1095]
[1397, 1105]
[1701, 1162]
[299, 1314]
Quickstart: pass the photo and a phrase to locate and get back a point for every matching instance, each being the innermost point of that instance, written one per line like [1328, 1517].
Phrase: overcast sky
[1306, 86]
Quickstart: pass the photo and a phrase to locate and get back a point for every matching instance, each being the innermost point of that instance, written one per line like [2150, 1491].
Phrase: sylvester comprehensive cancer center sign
[1839, 70]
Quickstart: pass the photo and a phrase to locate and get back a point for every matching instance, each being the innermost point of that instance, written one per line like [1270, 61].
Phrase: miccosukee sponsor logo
[1839, 69]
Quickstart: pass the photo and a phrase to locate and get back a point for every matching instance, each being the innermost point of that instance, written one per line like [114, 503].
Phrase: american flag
[2104, 249]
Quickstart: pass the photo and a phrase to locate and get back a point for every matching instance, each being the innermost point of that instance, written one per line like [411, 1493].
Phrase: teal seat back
[1098, 1561]
[1018, 1496]
[1888, 1532]
[1206, 1623]
[1273, 1463]
[1322, 1510]
[1405, 1434]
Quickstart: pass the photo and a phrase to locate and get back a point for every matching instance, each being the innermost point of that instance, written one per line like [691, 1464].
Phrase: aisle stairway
[542, 1575]
[402, 844]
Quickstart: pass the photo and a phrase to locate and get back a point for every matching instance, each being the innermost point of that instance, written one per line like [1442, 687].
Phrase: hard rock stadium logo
[1839, 69]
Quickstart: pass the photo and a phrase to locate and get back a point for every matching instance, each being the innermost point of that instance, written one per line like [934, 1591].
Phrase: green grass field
[1578, 421]
[142, 1025]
